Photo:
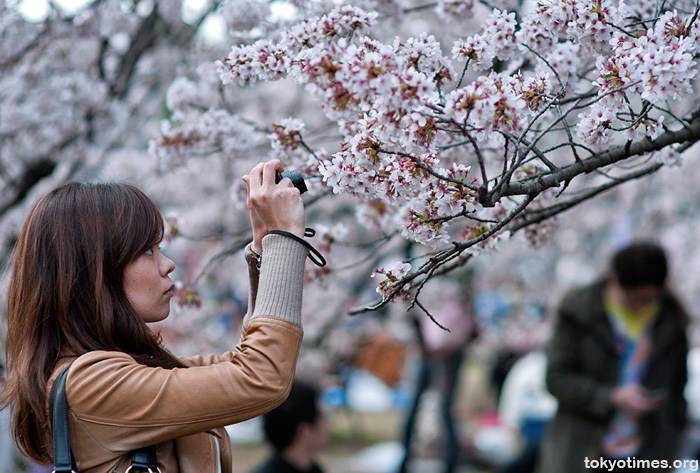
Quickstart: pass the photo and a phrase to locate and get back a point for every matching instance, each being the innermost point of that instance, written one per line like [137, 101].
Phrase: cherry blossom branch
[430, 316]
[691, 133]
[230, 249]
[535, 216]
[428, 169]
[427, 6]
[444, 257]
[490, 198]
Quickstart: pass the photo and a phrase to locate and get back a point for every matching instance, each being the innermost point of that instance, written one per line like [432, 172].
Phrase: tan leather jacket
[117, 405]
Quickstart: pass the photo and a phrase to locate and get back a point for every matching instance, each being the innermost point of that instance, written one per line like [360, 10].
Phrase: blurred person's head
[298, 422]
[638, 274]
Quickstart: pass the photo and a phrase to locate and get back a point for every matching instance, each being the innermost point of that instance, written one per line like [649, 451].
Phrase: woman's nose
[167, 265]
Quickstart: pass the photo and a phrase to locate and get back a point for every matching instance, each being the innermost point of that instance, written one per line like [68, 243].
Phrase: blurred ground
[373, 450]
[368, 442]
[348, 458]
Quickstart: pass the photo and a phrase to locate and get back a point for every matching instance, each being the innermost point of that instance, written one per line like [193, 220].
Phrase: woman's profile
[87, 277]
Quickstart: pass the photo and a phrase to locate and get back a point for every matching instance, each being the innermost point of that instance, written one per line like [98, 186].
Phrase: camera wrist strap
[315, 256]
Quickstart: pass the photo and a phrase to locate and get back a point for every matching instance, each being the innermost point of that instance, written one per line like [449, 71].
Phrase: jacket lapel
[600, 327]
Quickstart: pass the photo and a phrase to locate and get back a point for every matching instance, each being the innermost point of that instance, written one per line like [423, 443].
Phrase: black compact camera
[296, 178]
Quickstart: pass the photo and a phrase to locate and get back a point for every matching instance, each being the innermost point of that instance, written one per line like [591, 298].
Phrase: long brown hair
[66, 294]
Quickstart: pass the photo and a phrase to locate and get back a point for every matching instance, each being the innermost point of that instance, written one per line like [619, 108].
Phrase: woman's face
[148, 286]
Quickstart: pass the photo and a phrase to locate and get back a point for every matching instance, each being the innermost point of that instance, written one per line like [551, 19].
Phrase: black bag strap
[143, 459]
[63, 461]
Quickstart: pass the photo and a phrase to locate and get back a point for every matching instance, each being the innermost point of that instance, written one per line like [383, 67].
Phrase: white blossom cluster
[589, 23]
[244, 15]
[268, 60]
[454, 10]
[197, 127]
[390, 103]
[497, 102]
[424, 202]
[286, 140]
[389, 277]
[400, 105]
[195, 133]
[658, 66]
[660, 63]
[497, 41]
[381, 95]
[287, 135]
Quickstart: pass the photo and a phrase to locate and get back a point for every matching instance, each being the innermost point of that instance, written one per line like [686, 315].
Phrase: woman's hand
[273, 206]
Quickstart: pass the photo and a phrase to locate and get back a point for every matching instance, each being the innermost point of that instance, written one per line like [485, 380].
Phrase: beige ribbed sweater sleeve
[276, 290]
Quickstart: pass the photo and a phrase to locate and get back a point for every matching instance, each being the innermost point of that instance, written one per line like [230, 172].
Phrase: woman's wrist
[256, 256]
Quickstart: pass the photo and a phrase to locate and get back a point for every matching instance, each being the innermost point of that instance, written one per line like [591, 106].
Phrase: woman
[87, 277]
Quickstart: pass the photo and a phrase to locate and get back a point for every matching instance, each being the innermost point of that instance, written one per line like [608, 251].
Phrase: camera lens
[296, 178]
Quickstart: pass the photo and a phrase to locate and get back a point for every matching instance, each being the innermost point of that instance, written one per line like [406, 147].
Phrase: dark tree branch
[31, 176]
[531, 217]
[691, 133]
[34, 43]
[444, 257]
[140, 43]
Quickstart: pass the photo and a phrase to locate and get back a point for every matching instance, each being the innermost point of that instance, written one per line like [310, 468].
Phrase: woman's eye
[151, 251]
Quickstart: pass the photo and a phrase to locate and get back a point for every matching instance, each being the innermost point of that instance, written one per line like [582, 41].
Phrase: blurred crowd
[608, 373]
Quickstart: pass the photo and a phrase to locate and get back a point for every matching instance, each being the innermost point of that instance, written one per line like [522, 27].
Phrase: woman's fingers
[273, 206]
